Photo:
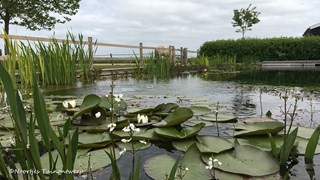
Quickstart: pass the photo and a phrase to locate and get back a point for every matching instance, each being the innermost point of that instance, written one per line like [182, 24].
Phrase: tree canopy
[245, 19]
[37, 14]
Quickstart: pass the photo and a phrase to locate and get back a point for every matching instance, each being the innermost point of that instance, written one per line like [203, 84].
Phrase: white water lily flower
[98, 114]
[142, 119]
[69, 104]
[143, 141]
[111, 126]
[121, 152]
[126, 140]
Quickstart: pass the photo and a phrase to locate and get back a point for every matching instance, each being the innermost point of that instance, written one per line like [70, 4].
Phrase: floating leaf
[144, 134]
[211, 144]
[177, 117]
[194, 122]
[93, 139]
[200, 110]
[260, 128]
[263, 143]
[92, 119]
[89, 102]
[98, 160]
[183, 145]
[137, 145]
[247, 160]
[159, 166]
[174, 133]
[222, 118]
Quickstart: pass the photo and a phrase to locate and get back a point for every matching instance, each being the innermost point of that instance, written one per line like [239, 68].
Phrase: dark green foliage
[245, 19]
[36, 14]
[271, 49]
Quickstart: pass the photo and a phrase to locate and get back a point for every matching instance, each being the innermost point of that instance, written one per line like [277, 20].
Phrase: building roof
[313, 30]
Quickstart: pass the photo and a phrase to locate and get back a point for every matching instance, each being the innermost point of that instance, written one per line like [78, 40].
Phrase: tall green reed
[25, 147]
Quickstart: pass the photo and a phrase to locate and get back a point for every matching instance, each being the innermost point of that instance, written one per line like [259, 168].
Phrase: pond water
[239, 93]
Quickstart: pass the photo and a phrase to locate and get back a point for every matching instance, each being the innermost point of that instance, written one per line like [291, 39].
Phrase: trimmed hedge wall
[272, 49]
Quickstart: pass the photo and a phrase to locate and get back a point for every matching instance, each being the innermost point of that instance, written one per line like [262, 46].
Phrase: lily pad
[137, 145]
[183, 145]
[94, 139]
[194, 122]
[89, 102]
[200, 110]
[259, 128]
[144, 134]
[222, 118]
[174, 133]
[118, 106]
[159, 166]
[98, 159]
[247, 160]
[211, 144]
[177, 117]
[92, 118]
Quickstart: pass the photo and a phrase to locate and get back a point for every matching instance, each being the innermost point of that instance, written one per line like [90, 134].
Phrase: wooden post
[181, 54]
[111, 59]
[141, 53]
[170, 52]
[185, 55]
[173, 58]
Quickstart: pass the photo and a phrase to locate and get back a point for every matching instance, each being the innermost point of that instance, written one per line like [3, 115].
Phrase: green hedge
[272, 49]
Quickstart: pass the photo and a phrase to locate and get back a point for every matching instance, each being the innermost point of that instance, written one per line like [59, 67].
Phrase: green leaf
[222, 118]
[312, 145]
[197, 121]
[144, 134]
[173, 170]
[115, 175]
[213, 145]
[71, 156]
[89, 102]
[183, 145]
[244, 160]
[159, 166]
[288, 145]
[137, 145]
[200, 110]
[259, 128]
[174, 133]
[137, 170]
[274, 149]
[177, 117]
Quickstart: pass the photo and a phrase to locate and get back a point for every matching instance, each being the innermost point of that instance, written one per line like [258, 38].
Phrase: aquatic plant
[25, 147]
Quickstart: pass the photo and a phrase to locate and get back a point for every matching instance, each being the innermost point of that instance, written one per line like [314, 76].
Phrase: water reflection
[276, 76]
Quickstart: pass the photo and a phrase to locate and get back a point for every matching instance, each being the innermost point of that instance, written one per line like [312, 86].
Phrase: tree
[245, 19]
[36, 14]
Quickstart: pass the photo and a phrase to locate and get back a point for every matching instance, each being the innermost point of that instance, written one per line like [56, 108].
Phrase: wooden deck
[301, 63]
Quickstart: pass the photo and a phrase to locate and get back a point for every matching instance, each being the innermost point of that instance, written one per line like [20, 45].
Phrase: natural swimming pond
[238, 94]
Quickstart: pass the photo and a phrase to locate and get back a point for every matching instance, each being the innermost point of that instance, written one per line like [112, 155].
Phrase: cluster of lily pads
[102, 121]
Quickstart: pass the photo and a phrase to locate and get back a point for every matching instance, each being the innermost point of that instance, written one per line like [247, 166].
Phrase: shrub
[271, 49]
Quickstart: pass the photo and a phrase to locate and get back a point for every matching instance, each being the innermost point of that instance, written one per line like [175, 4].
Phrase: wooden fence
[180, 54]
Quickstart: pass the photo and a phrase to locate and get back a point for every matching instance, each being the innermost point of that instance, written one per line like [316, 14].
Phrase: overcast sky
[182, 23]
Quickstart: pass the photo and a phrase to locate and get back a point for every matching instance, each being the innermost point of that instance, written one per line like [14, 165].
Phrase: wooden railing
[174, 53]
